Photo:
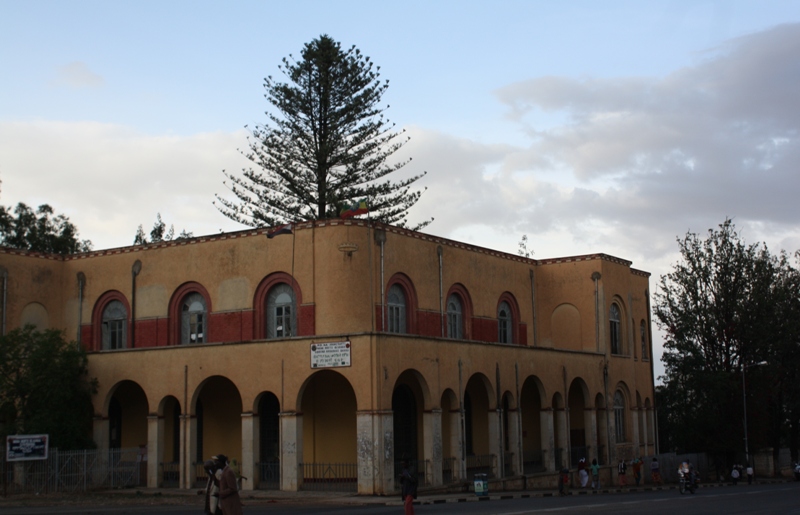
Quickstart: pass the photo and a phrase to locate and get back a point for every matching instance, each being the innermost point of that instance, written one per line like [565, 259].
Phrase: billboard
[26, 447]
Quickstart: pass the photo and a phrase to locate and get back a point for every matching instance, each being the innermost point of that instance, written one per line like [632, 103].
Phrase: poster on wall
[26, 447]
[330, 355]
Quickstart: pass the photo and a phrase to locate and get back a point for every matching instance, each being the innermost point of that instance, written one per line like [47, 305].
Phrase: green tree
[325, 146]
[45, 388]
[159, 233]
[726, 305]
[24, 228]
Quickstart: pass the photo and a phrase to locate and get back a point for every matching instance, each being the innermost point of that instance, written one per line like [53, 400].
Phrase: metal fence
[170, 474]
[449, 472]
[339, 477]
[533, 462]
[75, 471]
[481, 464]
[269, 474]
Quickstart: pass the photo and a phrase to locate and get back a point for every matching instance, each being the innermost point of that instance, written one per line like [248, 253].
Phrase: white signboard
[330, 355]
[26, 447]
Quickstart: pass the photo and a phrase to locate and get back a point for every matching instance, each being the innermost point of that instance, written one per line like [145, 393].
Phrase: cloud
[78, 75]
[109, 179]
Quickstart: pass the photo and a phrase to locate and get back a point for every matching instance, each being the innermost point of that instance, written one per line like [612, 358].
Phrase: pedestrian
[735, 474]
[622, 468]
[583, 474]
[229, 499]
[408, 488]
[749, 473]
[563, 481]
[212, 487]
[655, 471]
[636, 464]
[595, 474]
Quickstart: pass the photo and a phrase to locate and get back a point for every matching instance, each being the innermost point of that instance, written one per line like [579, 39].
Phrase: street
[781, 498]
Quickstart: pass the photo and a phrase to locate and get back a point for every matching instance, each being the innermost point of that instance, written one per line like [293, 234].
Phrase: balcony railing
[329, 477]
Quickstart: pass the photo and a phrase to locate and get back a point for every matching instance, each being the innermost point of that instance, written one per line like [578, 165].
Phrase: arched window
[193, 319]
[281, 320]
[619, 416]
[643, 331]
[396, 303]
[504, 323]
[614, 329]
[114, 329]
[455, 318]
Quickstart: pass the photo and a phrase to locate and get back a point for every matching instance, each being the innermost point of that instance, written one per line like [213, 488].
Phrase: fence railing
[533, 461]
[170, 474]
[481, 464]
[75, 471]
[269, 474]
[339, 477]
[449, 472]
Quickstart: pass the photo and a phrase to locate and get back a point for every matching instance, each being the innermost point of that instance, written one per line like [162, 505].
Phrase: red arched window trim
[175, 309]
[466, 305]
[515, 318]
[97, 318]
[405, 283]
[260, 302]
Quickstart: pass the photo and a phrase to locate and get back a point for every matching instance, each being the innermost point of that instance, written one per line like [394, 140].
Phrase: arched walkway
[268, 451]
[217, 423]
[580, 423]
[480, 428]
[535, 442]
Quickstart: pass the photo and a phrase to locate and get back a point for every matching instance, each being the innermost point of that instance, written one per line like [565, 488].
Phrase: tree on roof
[325, 147]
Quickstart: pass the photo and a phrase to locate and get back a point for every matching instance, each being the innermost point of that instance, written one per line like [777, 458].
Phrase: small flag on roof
[281, 229]
[358, 208]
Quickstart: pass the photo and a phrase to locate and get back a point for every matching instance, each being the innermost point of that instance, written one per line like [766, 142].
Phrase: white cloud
[78, 75]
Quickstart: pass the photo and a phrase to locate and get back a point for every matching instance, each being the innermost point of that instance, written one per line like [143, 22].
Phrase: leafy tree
[725, 306]
[523, 249]
[24, 228]
[325, 146]
[45, 388]
[159, 233]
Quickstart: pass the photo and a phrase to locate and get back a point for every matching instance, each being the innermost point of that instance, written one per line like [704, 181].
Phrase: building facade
[345, 346]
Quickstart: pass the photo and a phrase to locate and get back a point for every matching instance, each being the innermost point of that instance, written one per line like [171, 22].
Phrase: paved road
[778, 499]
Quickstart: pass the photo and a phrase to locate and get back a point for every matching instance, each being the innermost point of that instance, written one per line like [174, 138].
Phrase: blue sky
[589, 126]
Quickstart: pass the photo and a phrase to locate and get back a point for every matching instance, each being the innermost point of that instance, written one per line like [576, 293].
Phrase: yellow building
[338, 349]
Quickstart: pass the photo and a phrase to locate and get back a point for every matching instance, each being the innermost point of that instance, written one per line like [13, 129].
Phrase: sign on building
[26, 447]
[330, 355]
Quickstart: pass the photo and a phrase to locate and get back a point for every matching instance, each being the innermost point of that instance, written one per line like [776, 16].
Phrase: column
[547, 424]
[249, 433]
[514, 441]
[432, 449]
[495, 448]
[155, 449]
[562, 441]
[188, 450]
[291, 439]
[375, 449]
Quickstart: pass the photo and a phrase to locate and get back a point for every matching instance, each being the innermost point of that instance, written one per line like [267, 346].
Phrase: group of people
[222, 487]
[738, 471]
[636, 465]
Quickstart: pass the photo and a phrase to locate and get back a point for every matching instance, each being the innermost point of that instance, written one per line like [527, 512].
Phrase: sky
[609, 127]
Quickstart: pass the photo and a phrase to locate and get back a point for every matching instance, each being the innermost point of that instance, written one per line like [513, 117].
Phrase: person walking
[595, 474]
[583, 474]
[735, 474]
[750, 474]
[212, 487]
[636, 465]
[229, 499]
[408, 489]
[655, 471]
[622, 468]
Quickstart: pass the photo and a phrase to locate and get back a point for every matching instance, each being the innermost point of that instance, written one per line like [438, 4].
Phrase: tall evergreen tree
[325, 146]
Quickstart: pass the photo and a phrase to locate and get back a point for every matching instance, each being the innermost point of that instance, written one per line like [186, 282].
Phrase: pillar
[562, 442]
[456, 443]
[291, 440]
[155, 449]
[375, 449]
[590, 425]
[432, 446]
[249, 434]
[547, 424]
[188, 450]
[495, 447]
[515, 441]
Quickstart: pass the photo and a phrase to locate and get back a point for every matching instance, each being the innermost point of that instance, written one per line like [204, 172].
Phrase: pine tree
[325, 146]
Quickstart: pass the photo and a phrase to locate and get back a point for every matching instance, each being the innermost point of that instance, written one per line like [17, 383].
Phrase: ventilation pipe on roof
[441, 293]
[135, 269]
[380, 238]
[81, 284]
